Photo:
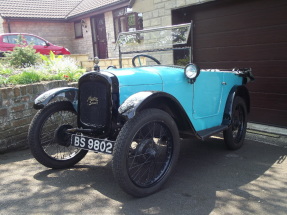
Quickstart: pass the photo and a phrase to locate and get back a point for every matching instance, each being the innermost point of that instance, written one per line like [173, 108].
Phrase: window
[14, 39]
[124, 21]
[35, 41]
[5, 39]
[78, 29]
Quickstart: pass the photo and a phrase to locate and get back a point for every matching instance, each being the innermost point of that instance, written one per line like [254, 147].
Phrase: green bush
[22, 56]
[25, 66]
[4, 74]
[26, 77]
[52, 59]
[51, 68]
[60, 67]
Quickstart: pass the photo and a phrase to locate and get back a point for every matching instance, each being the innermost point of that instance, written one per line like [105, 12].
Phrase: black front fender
[159, 100]
[71, 93]
[130, 106]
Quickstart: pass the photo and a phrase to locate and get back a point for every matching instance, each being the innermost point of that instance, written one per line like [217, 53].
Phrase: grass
[54, 68]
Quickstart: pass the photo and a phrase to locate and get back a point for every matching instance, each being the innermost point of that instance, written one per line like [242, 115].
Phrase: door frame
[94, 35]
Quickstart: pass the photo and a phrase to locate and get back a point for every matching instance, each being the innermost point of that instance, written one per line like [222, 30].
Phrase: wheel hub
[237, 123]
[61, 135]
[146, 151]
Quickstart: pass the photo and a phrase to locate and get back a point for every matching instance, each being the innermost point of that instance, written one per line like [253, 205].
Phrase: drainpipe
[9, 27]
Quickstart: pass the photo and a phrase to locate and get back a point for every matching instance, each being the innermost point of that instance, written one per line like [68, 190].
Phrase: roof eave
[86, 14]
[33, 19]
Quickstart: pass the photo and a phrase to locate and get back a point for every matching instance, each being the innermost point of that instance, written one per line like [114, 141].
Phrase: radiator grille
[94, 104]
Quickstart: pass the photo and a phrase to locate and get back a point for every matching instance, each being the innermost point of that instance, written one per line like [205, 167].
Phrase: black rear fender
[241, 91]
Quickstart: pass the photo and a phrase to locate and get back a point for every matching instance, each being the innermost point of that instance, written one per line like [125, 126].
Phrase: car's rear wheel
[145, 153]
[235, 134]
[49, 142]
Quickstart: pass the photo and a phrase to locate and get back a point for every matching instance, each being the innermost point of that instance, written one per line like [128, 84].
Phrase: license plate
[94, 144]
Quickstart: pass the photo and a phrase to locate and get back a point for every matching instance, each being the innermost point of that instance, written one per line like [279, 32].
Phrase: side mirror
[191, 72]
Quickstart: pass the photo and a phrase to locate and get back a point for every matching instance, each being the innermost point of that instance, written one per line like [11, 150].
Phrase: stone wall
[112, 51]
[157, 13]
[84, 45]
[126, 62]
[16, 112]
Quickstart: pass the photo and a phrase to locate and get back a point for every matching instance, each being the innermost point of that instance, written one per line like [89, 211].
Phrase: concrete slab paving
[208, 180]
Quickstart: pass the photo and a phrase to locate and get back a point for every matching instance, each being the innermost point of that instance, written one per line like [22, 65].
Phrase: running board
[204, 134]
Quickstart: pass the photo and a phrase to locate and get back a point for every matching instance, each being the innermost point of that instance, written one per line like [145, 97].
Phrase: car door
[38, 44]
[207, 94]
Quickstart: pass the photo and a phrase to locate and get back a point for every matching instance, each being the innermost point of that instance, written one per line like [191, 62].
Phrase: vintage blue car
[138, 114]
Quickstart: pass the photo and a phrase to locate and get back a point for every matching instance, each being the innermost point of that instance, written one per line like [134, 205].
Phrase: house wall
[1, 25]
[158, 13]
[155, 13]
[58, 33]
[112, 53]
[62, 34]
[83, 45]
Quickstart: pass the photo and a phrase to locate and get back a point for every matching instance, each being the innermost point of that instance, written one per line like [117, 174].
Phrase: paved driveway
[208, 180]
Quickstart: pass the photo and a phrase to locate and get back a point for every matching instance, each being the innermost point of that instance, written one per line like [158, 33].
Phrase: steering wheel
[143, 55]
[111, 67]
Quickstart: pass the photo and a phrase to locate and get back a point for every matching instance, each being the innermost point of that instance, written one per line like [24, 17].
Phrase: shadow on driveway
[208, 180]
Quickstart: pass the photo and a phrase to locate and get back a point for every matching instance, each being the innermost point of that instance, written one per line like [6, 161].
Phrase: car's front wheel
[49, 142]
[145, 153]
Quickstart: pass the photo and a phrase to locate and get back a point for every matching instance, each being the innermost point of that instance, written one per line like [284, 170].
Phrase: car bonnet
[137, 76]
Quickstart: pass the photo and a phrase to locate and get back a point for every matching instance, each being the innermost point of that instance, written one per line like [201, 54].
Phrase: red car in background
[10, 40]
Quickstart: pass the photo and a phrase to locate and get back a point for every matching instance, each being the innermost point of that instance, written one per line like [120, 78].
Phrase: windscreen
[151, 40]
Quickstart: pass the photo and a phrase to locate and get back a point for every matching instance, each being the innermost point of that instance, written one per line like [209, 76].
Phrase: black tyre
[47, 137]
[145, 153]
[235, 134]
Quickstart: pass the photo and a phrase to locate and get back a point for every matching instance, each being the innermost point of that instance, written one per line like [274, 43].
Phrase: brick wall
[58, 33]
[62, 34]
[16, 112]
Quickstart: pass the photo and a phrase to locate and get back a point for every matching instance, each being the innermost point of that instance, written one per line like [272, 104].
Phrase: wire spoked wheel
[48, 138]
[235, 134]
[146, 152]
[150, 154]
[238, 123]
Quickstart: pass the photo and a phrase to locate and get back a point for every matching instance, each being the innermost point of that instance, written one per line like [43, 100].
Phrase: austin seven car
[138, 115]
